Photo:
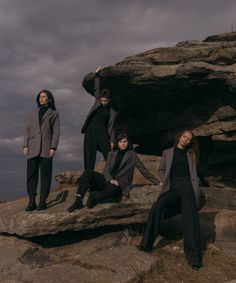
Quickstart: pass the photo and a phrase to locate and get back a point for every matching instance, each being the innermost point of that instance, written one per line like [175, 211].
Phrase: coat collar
[127, 154]
[47, 113]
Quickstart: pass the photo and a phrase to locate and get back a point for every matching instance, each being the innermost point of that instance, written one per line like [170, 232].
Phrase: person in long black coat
[116, 179]
[40, 143]
[99, 126]
[180, 194]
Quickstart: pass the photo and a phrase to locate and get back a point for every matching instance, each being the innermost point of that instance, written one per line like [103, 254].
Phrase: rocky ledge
[191, 85]
[218, 218]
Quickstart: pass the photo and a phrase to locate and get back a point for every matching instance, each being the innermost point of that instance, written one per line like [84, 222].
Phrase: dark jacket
[165, 170]
[126, 170]
[40, 139]
[97, 103]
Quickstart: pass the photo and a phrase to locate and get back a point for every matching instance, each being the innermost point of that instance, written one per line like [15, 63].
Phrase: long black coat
[97, 103]
[126, 170]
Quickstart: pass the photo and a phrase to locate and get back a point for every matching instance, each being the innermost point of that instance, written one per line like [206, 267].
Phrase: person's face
[43, 99]
[123, 144]
[105, 101]
[185, 140]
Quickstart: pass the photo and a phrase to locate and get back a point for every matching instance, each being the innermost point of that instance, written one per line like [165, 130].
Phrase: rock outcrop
[103, 259]
[14, 220]
[158, 92]
[191, 85]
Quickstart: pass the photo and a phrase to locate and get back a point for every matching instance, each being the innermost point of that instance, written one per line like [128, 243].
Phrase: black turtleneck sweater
[116, 167]
[100, 117]
[42, 111]
[179, 165]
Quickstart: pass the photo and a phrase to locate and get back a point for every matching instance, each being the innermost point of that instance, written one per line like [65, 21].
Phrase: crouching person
[116, 179]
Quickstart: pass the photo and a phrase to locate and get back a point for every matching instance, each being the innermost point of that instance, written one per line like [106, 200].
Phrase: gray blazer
[40, 139]
[97, 103]
[126, 170]
[165, 169]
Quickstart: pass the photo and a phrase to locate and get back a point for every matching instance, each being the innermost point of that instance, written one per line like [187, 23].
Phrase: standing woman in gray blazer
[40, 144]
[180, 194]
[116, 179]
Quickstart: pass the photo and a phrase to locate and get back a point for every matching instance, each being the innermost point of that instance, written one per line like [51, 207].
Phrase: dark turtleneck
[42, 111]
[119, 158]
[179, 165]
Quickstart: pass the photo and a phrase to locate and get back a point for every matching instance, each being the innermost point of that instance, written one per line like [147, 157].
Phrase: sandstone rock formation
[158, 93]
[14, 220]
[191, 85]
[103, 259]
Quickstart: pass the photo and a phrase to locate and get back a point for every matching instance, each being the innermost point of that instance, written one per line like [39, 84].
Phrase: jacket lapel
[125, 158]
[169, 159]
[190, 161]
[47, 113]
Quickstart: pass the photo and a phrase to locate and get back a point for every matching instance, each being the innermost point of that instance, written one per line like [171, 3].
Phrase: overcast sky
[53, 44]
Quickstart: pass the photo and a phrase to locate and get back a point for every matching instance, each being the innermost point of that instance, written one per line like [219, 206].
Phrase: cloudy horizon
[54, 44]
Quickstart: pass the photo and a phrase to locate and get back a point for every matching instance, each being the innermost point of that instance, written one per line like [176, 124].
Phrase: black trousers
[34, 165]
[180, 198]
[93, 141]
[96, 184]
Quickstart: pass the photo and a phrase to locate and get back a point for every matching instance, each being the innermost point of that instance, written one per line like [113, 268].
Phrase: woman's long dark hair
[120, 137]
[193, 146]
[51, 102]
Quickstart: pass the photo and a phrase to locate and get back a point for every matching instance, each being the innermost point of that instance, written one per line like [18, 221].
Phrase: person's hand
[26, 151]
[98, 69]
[112, 145]
[114, 182]
[51, 152]
[160, 184]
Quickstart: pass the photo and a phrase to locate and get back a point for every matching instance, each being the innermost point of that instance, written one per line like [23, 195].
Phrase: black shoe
[78, 204]
[42, 206]
[92, 200]
[143, 249]
[195, 267]
[31, 205]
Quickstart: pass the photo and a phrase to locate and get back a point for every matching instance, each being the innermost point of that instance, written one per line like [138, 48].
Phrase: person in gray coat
[40, 144]
[116, 179]
[180, 194]
[99, 126]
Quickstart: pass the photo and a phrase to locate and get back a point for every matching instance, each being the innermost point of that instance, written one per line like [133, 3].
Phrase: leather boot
[92, 200]
[42, 204]
[31, 205]
[77, 204]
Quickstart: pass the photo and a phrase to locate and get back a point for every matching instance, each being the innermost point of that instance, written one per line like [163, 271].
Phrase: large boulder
[216, 217]
[191, 85]
[107, 258]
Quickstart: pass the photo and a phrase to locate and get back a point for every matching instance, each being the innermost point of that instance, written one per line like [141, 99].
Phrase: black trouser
[94, 141]
[33, 166]
[95, 183]
[180, 197]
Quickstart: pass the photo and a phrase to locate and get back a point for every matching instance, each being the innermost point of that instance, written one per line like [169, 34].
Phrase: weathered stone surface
[150, 161]
[191, 85]
[68, 177]
[14, 220]
[106, 258]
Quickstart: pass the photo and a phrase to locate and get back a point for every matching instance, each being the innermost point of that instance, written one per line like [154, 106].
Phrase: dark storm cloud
[53, 44]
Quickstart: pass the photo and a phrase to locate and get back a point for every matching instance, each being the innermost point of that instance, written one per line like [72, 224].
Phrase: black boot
[31, 205]
[42, 204]
[92, 200]
[77, 204]
[143, 249]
